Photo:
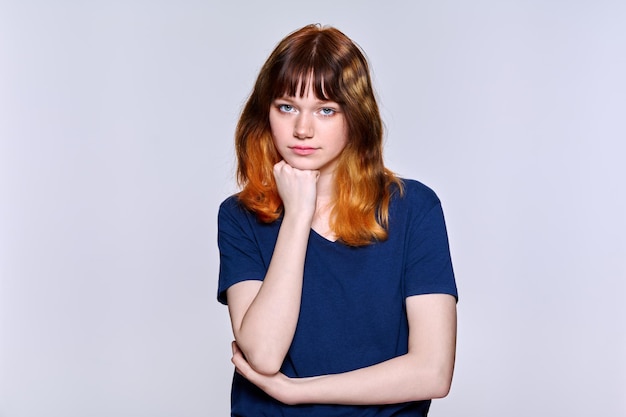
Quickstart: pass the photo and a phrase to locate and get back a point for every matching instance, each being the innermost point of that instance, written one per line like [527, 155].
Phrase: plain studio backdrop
[116, 148]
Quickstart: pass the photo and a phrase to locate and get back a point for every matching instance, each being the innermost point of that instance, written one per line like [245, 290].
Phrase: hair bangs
[307, 70]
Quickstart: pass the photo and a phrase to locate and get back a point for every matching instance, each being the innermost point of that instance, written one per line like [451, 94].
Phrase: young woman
[337, 273]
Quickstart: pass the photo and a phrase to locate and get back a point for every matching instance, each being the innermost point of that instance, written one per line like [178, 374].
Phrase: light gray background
[116, 124]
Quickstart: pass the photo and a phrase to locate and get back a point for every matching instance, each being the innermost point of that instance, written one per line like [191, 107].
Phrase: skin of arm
[425, 372]
[264, 313]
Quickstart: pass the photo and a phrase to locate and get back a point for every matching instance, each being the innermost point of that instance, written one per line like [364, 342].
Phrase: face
[308, 133]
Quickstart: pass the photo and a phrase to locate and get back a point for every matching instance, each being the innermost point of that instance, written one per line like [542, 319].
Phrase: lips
[303, 150]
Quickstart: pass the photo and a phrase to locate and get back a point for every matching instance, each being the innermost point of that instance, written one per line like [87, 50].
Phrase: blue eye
[327, 111]
[285, 108]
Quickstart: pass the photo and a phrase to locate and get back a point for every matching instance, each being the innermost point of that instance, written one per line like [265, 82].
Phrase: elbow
[441, 389]
[265, 363]
[441, 383]
[431, 382]
[265, 366]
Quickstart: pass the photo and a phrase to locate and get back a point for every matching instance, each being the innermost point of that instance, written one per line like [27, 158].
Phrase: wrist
[297, 218]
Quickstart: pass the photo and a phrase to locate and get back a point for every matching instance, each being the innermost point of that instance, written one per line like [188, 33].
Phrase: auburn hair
[337, 70]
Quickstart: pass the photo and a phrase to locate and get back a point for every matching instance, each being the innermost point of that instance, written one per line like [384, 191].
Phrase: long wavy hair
[337, 70]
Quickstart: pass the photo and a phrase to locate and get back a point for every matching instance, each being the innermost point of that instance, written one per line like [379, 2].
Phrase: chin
[305, 167]
[302, 165]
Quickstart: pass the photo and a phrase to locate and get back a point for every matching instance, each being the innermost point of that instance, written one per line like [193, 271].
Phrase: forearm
[423, 373]
[268, 325]
[401, 379]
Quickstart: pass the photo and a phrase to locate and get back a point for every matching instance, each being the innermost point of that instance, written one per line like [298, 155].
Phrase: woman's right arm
[264, 314]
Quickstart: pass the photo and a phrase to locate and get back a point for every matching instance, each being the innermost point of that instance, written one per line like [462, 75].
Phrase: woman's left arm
[425, 372]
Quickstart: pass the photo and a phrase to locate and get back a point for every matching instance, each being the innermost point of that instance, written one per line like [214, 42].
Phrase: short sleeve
[428, 268]
[240, 256]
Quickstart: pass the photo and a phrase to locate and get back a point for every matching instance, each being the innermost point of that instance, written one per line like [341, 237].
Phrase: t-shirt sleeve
[240, 256]
[429, 267]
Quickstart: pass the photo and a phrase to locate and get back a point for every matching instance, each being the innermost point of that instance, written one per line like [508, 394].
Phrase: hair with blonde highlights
[338, 71]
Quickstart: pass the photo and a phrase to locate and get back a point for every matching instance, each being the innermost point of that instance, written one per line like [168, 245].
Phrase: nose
[303, 128]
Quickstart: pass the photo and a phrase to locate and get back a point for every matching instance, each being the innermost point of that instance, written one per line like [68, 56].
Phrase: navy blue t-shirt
[352, 312]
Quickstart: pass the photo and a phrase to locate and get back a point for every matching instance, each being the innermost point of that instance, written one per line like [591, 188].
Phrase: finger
[241, 365]
[236, 367]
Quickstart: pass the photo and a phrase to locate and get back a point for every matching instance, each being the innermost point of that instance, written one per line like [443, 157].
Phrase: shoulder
[233, 216]
[230, 202]
[413, 203]
[232, 210]
[416, 193]
[233, 205]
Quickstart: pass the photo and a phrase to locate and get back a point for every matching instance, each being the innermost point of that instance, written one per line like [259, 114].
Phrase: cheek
[342, 138]
[342, 131]
[279, 130]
